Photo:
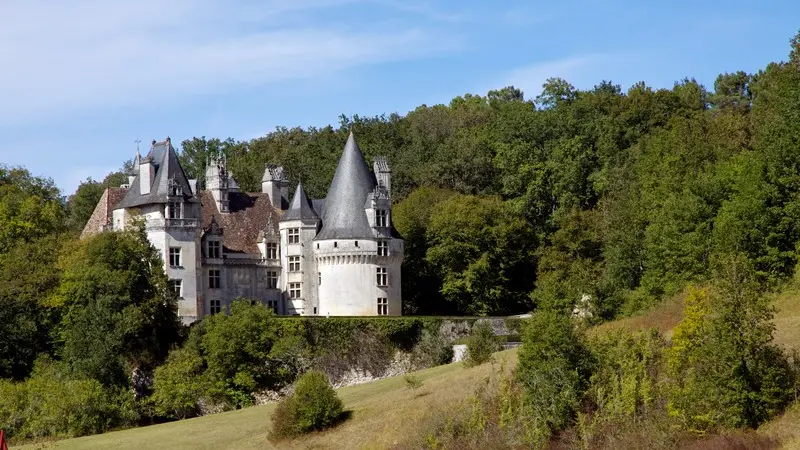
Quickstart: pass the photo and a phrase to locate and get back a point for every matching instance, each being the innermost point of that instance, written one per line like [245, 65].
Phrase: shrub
[432, 350]
[179, 384]
[725, 368]
[413, 382]
[554, 368]
[313, 406]
[481, 344]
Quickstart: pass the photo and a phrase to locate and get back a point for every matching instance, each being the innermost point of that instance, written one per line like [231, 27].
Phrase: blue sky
[80, 81]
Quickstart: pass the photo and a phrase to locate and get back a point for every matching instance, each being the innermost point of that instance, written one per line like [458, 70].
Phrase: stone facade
[338, 256]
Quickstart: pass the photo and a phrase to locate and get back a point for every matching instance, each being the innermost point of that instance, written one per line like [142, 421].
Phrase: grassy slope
[382, 413]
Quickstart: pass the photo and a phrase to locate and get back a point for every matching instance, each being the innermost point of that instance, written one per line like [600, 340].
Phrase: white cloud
[65, 57]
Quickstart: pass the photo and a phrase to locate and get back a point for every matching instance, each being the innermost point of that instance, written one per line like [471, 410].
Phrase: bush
[313, 406]
[50, 403]
[481, 344]
[554, 368]
[432, 350]
[179, 384]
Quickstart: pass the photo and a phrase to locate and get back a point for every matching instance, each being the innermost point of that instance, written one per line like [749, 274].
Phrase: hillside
[383, 412]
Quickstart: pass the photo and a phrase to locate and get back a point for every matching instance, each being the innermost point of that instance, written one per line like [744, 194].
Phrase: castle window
[383, 248]
[214, 279]
[319, 278]
[315, 310]
[174, 210]
[272, 250]
[335, 244]
[177, 287]
[294, 290]
[380, 218]
[216, 306]
[272, 279]
[294, 235]
[356, 243]
[214, 249]
[175, 256]
[383, 306]
[273, 305]
[294, 264]
[383, 277]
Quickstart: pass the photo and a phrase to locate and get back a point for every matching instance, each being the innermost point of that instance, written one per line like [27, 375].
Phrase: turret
[275, 184]
[218, 182]
[147, 171]
[383, 174]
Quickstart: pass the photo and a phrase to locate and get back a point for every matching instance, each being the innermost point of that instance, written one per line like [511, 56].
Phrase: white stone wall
[349, 277]
[308, 275]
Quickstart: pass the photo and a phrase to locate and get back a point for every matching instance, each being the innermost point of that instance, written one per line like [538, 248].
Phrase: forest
[508, 203]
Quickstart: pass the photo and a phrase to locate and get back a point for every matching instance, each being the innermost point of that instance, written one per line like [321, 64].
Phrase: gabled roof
[300, 208]
[167, 168]
[101, 216]
[344, 215]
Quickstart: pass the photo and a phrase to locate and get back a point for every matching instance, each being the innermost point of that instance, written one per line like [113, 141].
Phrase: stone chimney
[275, 184]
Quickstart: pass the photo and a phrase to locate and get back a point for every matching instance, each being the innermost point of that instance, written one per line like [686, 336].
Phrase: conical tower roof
[344, 216]
[167, 170]
[300, 208]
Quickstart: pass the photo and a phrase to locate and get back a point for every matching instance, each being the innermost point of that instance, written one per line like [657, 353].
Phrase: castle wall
[308, 275]
[349, 277]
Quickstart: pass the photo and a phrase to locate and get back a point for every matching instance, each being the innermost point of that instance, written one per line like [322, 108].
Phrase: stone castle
[337, 256]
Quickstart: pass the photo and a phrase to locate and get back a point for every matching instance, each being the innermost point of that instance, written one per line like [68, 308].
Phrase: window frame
[175, 257]
[293, 235]
[383, 306]
[272, 250]
[214, 249]
[382, 276]
[295, 291]
[177, 287]
[383, 248]
[214, 304]
[381, 218]
[214, 279]
[272, 279]
[294, 264]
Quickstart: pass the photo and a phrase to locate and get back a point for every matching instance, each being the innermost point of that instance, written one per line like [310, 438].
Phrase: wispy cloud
[70, 56]
[582, 71]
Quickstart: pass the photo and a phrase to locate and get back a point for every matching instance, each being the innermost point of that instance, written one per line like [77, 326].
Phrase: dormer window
[214, 249]
[175, 210]
[272, 250]
[380, 218]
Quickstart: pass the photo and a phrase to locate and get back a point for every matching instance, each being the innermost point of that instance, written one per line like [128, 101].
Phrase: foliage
[484, 253]
[412, 382]
[554, 369]
[628, 375]
[313, 406]
[119, 312]
[28, 275]
[481, 344]
[179, 384]
[726, 371]
[51, 403]
[433, 349]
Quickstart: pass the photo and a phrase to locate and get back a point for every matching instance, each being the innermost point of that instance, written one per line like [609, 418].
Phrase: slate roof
[250, 214]
[344, 216]
[300, 208]
[166, 167]
[102, 213]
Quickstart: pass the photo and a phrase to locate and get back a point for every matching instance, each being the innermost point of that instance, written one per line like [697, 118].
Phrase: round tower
[358, 256]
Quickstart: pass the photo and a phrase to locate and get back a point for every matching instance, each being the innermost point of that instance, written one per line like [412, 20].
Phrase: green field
[385, 411]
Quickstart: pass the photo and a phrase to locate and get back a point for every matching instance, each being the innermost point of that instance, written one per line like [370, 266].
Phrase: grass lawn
[383, 413]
